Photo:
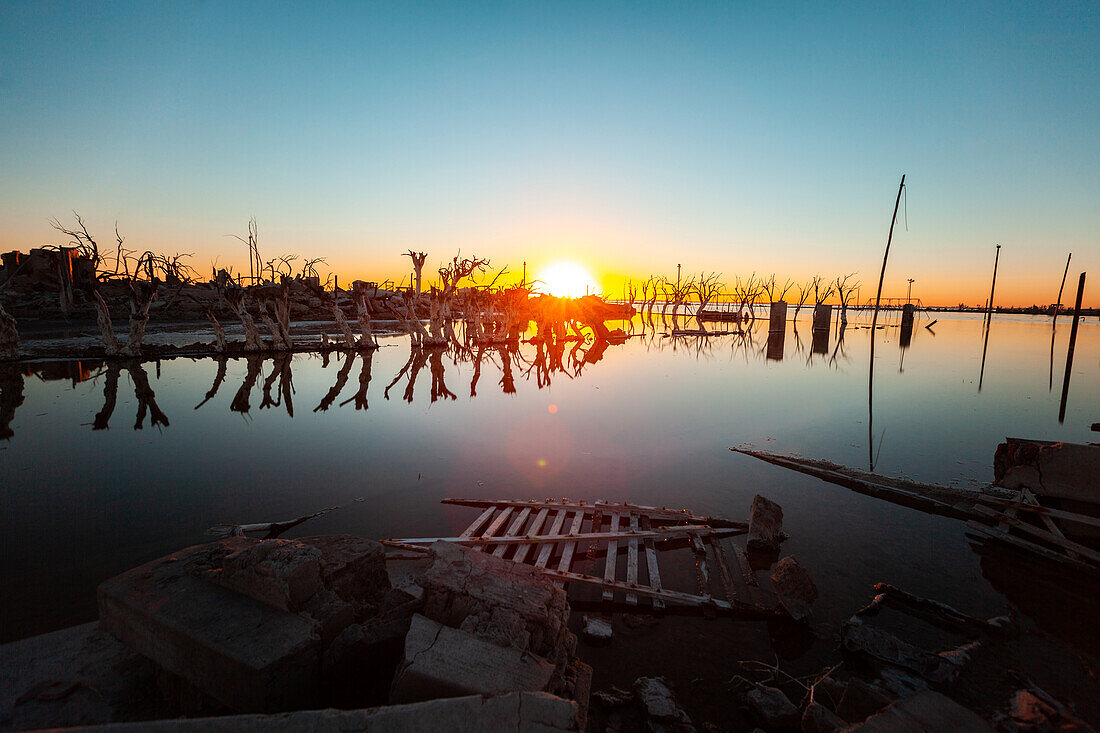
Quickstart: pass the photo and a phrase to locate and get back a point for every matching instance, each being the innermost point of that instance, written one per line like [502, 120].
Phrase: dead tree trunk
[362, 306]
[276, 335]
[219, 332]
[9, 336]
[238, 303]
[106, 330]
[342, 324]
[139, 317]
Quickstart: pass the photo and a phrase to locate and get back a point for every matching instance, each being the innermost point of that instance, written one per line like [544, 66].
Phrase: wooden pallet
[538, 532]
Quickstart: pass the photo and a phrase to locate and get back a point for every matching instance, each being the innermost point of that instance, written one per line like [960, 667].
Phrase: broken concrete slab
[773, 708]
[596, 631]
[537, 712]
[281, 573]
[861, 700]
[496, 599]
[928, 711]
[794, 587]
[817, 718]
[659, 705]
[441, 661]
[242, 652]
[765, 525]
[867, 641]
[352, 567]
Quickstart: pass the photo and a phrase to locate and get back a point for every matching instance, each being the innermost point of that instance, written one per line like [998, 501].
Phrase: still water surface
[649, 421]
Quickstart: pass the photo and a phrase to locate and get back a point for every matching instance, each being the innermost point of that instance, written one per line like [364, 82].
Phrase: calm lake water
[649, 421]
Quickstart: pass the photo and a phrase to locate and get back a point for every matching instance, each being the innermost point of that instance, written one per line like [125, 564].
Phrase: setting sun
[567, 280]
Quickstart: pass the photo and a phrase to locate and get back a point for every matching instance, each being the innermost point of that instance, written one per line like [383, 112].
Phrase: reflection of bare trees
[110, 395]
[280, 369]
[360, 396]
[338, 386]
[147, 400]
[252, 374]
[416, 361]
[11, 397]
[218, 379]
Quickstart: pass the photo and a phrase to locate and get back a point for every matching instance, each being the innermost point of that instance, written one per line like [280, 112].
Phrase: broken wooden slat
[701, 562]
[747, 574]
[657, 533]
[612, 558]
[1041, 510]
[723, 568]
[497, 523]
[1067, 545]
[661, 513]
[479, 522]
[545, 550]
[1054, 528]
[513, 529]
[536, 525]
[670, 596]
[1032, 547]
[632, 560]
[651, 564]
[570, 547]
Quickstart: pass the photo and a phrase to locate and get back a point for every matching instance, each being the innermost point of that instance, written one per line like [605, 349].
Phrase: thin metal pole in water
[1058, 303]
[1069, 353]
[1054, 324]
[874, 323]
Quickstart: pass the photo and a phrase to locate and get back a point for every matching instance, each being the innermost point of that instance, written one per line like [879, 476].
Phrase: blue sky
[631, 137]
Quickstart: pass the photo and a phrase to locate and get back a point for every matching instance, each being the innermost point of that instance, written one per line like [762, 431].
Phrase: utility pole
[909, 294]
[677, 276]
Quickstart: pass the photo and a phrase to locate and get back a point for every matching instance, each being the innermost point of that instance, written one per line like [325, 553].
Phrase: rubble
[659, 706]
[765, 525]
[817, 718]
[794, 587]
[596, 631]
[772, 707]
[924, 711]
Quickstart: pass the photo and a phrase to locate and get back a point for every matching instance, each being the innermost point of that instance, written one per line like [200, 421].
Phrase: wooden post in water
[989, 306]
[1054, 324]
[1058, 303]
[1069, 352]
[874, 323]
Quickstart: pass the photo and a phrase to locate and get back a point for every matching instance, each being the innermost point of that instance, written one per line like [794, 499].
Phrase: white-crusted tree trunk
[106, 330]
[9, 336]
[359, 290]
[138, 320]
[252, 340]
[342, 324]
[219, 332]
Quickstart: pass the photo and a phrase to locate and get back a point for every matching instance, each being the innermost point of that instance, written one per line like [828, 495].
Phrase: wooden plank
[478, 523]
[671, 596]
[658, 534]
[660, 513]
[1041, 510]
[571, 547]
[701, 563]
[632, 560]
[497, 523]
[747, 573]
[536, 525]
[612, 558]
[651, 564]
[1045, 552]
[1069, 546]
[1050, 525]
[555, 528]
[513, 529]
[723, 569]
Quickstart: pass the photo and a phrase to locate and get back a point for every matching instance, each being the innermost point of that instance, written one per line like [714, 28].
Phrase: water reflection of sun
[567, 279]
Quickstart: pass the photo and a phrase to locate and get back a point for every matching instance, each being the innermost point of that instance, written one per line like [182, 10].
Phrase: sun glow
[566, 279]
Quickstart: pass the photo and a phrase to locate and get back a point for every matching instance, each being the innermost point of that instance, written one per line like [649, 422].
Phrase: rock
[522, 711]
[864, 640]
[246, 654]
[505, 602]
[817, 718]
[441, 661]
[1034, 710]
[829, 692]
[794, 587]
[352, 567]
[924, 711]
[659, 705]
[765, 525]
[281, 573]
[613, 697]
[861, 700]
[596, 631]
[772, 707]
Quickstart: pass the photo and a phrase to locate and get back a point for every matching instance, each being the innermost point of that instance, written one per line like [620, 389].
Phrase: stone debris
[924, 711]
[774, 709]
[765, 525]
[441, 661]
[861, 700]
[659, 706]
[1034, 710]
[794, 587]
[867, 641]
[817, 718]
[281, 573]
[596, 631]
[519, 711]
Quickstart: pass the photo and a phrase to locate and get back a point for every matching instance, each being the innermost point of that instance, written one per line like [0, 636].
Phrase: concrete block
[924, 711]
[281, 573]
[441, 661]
[765, 525]
[244, 653]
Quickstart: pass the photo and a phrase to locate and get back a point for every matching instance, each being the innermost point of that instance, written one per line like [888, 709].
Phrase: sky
[736, 138]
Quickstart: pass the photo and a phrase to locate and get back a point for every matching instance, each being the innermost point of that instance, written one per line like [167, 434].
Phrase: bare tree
[255, 264]
[844, 293]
